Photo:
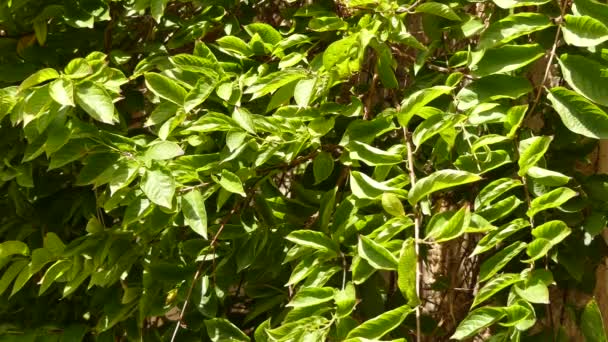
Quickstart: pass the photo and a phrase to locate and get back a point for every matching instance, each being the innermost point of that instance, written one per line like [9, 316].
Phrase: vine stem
[417, 224]
[562, 8]
[200, 269]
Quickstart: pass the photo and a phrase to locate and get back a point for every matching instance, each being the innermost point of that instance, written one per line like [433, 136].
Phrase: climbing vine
[358, 170]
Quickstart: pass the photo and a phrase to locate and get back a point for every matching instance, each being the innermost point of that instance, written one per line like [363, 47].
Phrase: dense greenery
[296, 170]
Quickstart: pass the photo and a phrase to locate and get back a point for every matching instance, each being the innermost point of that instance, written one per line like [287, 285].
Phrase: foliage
[285, 171]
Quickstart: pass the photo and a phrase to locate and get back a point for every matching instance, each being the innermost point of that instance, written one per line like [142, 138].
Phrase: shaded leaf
[195, 214]
[440, 180]
[381, 325]
[499, 260]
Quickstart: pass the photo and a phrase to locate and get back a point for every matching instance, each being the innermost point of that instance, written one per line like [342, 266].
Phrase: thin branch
[551, 55]
[417, 227]
[200, 269]
[367, 115]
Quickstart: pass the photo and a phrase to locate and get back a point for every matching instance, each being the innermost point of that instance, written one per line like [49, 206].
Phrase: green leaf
[440, 180]
[507, 58]
[59, 268]
[221, 329]
[406, 272]
[62, 91]
[554, 231]
[414, 102]
[159, 186]
[551, 199]
[438, 9]
[537, 249]
[363, 186]
[312, 239]
[165, 88]
[435, 125]
[8, 248]
[499, 260]
[385, 65]
[547, 177]
[579, 114]
[322, 166]
[323, 24]
[157, 9]
[487, 140]
[195, 214]
[376, 255]
[592, 324]
[500, 209]
[163, 150]
[494, 190]
[340, 51]
[495, 237]
[490, 88]
[506, 4]
[95, 165]
[312, 296]
[514, 119]
[454, 227]
[531, 151]
[584, 75]
[274, 81]
[205, 66]
[483, 162]
[243, 118]
[96, 101]
[234, 46]
[38, 77]
[511, 27]
[11, 273]
[40, 257]
[392, 204]
[41, 31]
[232, 183]
[304, 92]
[594, 223]
[535, 289]
[201, 91]
[371, 155]
[346, 300]
[268, 33]
[494, 286]
[381, 325]
[73, 150]
[595, 9]
[390, 228]
[476, 321]
[584, 31]
[78, 68]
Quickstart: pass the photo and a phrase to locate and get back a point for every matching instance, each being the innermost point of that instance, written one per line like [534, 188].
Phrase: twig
[367, 115]
[200, 269]
[417, 224]
[409, 8]
[551, 56]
